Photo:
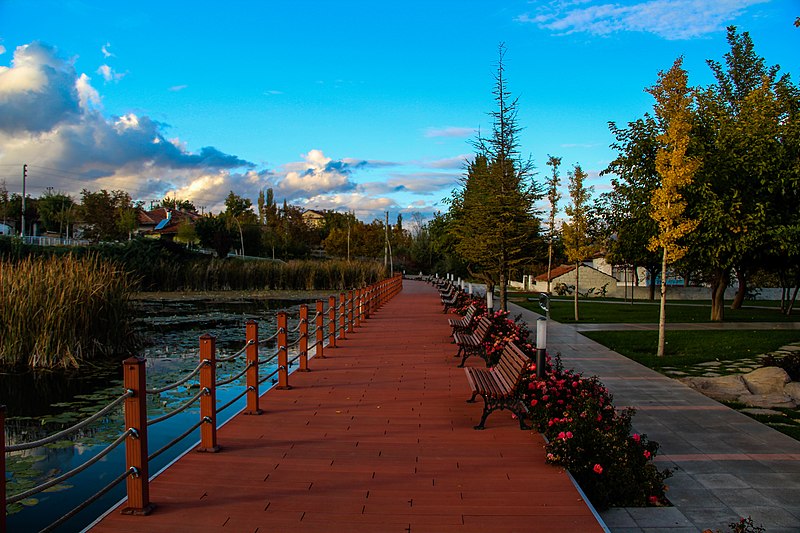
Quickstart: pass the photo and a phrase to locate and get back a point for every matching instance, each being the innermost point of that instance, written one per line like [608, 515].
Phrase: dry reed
[61, 311]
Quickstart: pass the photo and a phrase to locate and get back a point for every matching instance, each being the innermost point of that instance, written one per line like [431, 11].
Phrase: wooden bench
[499, 385]
[471, 343]
[463, 323]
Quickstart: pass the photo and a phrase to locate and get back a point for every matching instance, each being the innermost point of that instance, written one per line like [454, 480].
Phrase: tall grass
[60, 311]
[233, 274]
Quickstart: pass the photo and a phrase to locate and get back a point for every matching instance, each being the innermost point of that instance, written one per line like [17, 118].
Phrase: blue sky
[364, 106]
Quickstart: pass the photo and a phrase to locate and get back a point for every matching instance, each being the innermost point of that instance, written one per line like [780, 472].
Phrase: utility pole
[24, 177]
[386, 242]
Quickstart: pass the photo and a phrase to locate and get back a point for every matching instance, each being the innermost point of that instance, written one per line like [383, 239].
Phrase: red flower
[647, 454]
[636, 437]
[534, 402]
[598, 469]
[653, 500]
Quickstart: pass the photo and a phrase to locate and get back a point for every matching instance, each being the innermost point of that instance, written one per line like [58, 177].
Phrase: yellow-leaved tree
[676, 169]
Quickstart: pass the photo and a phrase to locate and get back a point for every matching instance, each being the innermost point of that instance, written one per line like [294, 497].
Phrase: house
[562, 280]
[313, 219]
[5, 229]
[163, 222]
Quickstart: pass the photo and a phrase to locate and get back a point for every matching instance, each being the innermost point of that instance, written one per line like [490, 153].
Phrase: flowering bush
[502, 331]
[588, 437]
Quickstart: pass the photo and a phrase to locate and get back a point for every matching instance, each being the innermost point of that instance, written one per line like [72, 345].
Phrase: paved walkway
[726, 465]
[376, 438]
[690, 326]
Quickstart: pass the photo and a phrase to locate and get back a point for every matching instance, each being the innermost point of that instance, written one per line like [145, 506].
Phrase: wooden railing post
[358, 307]
[137, 484]
[3, 468]
[332, 321]
[367, 300]
[208, 401]
[350, 308]
[343, 315]
[251, 353]
[303, 344]
[283, 352]
[319, 349]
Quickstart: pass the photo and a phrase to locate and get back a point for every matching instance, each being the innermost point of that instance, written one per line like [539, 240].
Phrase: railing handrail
[343, 316]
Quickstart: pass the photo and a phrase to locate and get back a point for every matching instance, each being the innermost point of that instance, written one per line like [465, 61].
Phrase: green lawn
[607, 311]
[687, 348]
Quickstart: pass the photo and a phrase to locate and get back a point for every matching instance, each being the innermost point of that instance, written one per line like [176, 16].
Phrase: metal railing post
[332, 321]
[138, 484]
[208, 401]
[303, 344]
[342, 316]
[283, 352]
[350, 319]
[320, 333]
[251, 329]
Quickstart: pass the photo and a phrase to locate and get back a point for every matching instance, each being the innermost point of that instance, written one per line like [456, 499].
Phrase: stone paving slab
[726, 465]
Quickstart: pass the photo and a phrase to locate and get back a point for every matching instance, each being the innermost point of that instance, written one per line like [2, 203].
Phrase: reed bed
[234, 274]
[58, 312]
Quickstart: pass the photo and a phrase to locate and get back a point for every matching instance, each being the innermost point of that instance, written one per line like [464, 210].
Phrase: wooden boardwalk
[376, 438]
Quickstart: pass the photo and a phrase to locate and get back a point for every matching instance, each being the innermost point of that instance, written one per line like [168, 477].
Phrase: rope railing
[180, 382]
[309, 336]
[184, 406]
[70, 430]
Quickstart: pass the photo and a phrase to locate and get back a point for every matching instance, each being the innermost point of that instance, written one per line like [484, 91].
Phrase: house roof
[564, 269]
[554, 273]
[168, 219]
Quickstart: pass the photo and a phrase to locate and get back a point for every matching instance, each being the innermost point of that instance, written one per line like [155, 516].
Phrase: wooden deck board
[377, 437]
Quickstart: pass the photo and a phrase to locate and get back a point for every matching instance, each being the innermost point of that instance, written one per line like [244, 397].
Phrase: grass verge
[613, 312]
[687, 348]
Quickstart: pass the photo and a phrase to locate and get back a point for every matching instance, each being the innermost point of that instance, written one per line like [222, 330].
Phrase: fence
[353, 307]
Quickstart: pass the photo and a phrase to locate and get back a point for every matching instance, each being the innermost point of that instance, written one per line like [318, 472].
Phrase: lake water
[42, 404]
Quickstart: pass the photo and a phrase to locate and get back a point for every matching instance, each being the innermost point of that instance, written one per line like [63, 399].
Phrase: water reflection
[42, 404]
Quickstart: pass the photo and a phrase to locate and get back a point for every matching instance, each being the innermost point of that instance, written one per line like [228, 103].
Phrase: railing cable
[181, 381]
[77, 470]
[57, 436]
[177, 410]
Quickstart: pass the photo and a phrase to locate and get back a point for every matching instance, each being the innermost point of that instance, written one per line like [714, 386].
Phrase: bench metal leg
[472, 400]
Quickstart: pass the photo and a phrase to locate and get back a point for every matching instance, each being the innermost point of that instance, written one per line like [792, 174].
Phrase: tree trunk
[741, 291]
[652, 286]
[634, 284]
[719, 282]
[549, 262]
[662, 317]
[577, 270]
[503, 292]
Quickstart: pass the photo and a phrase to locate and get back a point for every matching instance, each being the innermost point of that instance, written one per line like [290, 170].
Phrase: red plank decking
[376, 438]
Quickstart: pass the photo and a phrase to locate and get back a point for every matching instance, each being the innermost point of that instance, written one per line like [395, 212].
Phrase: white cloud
[88, 97]
[177, 88]
[51, 115]
[109, 74]
[104, 50]
[2, 49]
[669, 19]
[449, 131]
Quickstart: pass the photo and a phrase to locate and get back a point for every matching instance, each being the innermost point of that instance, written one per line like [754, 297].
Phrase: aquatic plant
[61, 311]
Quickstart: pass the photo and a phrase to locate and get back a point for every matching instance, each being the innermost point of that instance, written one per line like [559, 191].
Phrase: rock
[711, 375]
[767, 401]
[793, 390]
[709, 363]
[753, 411]
[767, 380]
[792, 348]
[725, 388]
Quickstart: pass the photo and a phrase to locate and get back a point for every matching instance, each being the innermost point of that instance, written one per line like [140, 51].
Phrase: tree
[180, 205]
[56, 212]
[736, 139]
[677, 169]
[215, 232]
[626, 209]
[493, 219]
[553, 196]
[575, 233]
[238, 212]
[109, 216]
